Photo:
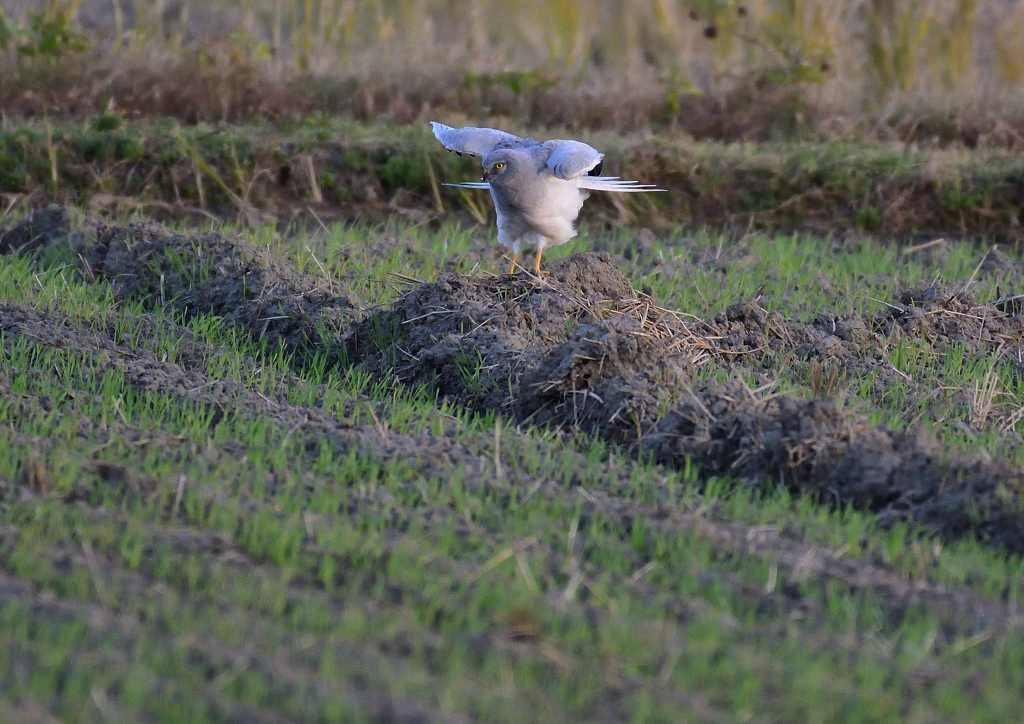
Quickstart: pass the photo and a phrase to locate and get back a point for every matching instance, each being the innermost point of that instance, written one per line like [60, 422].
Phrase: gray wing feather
[611, 183]
[572, 159]
[470, 185]
[474, 141]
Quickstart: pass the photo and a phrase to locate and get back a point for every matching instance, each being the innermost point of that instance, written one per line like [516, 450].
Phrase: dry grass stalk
[314, 186]
[824, 378]
[36, 475]
[990, 403]
[982, 399]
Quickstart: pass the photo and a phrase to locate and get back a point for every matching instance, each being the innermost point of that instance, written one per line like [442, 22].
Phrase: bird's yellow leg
[536, 266]
[513, 269]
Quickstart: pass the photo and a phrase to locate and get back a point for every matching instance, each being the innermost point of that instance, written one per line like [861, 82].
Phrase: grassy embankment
[335, 168]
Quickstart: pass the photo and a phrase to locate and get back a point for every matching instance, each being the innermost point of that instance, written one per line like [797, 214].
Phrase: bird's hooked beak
[487, 175]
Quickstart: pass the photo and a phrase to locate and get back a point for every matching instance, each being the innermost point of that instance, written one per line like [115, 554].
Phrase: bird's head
[499, 164]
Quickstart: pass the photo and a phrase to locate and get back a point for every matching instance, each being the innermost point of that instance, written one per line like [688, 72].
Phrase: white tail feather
[613, 183]
[470, 185]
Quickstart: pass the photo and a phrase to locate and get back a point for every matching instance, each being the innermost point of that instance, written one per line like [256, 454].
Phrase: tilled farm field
[352, 472]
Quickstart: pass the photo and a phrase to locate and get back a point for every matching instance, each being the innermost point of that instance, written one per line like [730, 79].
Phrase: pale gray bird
[538, 188]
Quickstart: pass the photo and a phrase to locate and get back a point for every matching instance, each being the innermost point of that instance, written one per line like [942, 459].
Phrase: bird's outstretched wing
[474, 141]
[572, 159]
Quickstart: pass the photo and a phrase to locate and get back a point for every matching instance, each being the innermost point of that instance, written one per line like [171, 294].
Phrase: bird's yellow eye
[498, 166]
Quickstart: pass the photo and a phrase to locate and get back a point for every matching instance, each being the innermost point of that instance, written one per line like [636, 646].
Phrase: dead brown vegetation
[917, 72]
[758, 111]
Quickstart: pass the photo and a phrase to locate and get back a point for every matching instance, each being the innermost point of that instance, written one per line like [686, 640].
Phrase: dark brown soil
[209, 273]
[945, 316]
[468, 338]
[810, 445]
[42, 227]
[216, 274]
[584, 352]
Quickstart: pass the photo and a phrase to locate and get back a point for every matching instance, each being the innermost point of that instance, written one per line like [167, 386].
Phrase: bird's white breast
[560, 205]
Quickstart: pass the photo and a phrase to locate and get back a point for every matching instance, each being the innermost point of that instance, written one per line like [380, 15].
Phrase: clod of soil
[614, 378]
[41, 228]
[938, 315]
[996, 263]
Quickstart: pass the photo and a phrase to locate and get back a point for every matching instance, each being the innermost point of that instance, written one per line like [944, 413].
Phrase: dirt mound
[745, 328]
[812, 446]
[216, 274]
[613, 378]
[583, 351]
[942, 316]
[936, 315]
[997, 264]
[470, 339]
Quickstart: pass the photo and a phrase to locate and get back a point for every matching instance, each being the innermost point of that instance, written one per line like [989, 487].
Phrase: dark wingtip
[596, 171]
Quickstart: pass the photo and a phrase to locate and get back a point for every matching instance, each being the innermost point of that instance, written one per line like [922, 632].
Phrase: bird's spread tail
[470, 185]
[614, 183]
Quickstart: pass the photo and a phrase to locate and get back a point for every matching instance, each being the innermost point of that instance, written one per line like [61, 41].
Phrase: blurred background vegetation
[928, 71]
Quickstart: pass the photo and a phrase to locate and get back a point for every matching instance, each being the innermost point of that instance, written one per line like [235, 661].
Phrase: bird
[538, 187]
